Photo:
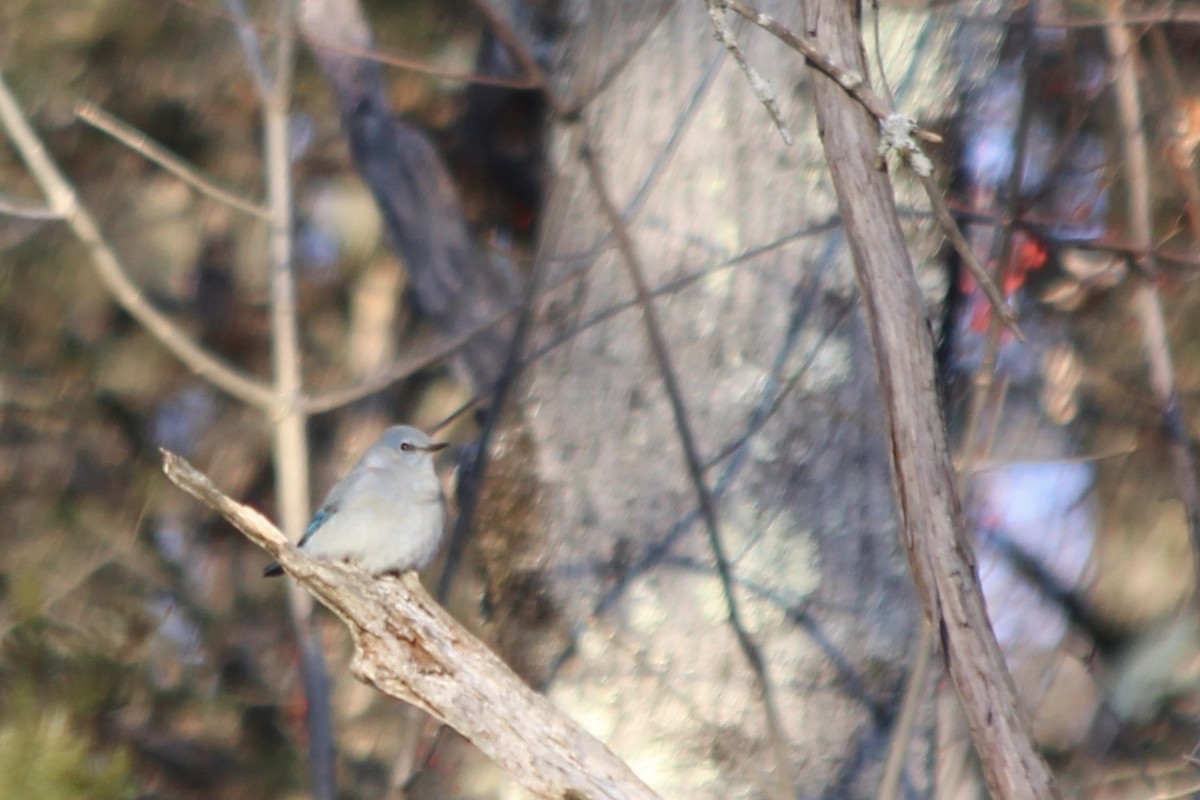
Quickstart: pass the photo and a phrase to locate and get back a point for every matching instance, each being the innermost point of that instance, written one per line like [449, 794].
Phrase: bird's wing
[332, 503]
[324, 513]
[336, 498]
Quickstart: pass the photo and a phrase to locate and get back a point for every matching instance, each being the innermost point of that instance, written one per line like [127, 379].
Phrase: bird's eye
[406, 446]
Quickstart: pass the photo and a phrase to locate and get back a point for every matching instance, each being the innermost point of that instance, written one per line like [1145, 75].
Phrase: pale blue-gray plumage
[387, 515]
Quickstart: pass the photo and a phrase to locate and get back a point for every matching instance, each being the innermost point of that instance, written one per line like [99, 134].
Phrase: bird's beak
[433, 448]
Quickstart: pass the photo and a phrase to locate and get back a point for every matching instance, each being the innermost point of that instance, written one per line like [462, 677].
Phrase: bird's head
[407, 445]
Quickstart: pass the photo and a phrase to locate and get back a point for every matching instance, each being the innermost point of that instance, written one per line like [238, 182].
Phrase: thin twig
[248, 38]
[411, 64]
[65, 202]
[1043, 226]
[1147, 305]
[321, 402]
[763, 413]
[682, 122]
[984, 395]
[695, 467]
[509, 37]
[883, 78]
[470, 483]
[570, 107]
[916, 694]
[758, 84]
[852, 81]
[611, 311]
[153, 151]
[26, 210]
[289, 439]
[1178, 157]
[941, 212]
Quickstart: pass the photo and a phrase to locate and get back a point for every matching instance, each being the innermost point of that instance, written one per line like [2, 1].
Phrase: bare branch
[411, 64]
[945, 219]
[407, 646]
[471, 475]
[916, 694]
[248, 37]
[1179, 151]
[758, 84]
[25, 210]
[932, 523]
[1147, 305]
[65, 202]
[850, 80]
[322, 402]
[289, 436]
[153, 151]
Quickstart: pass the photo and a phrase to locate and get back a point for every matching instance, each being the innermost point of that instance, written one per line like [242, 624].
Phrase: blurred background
[141, 654]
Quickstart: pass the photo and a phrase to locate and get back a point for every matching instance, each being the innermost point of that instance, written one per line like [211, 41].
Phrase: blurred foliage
[44, 753]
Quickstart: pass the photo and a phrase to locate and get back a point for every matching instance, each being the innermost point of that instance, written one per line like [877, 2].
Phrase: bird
[387, 515]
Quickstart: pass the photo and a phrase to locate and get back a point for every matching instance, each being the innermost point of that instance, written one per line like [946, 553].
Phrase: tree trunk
[617, 605]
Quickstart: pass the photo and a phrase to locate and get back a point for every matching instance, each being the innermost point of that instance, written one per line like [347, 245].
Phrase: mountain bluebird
[387, 514]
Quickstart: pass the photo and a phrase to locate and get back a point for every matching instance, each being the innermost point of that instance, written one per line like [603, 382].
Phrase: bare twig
[289, 437]
[984, 392]
[916, 694]
[758, 84]
[26, 210]
[411, 64]
[248, 38]
[1101, 245]
[1179, 156]
[979, 272]
[65, 203]
[883, 78]
[153, 151]
[504, 31]
[319, 403]
[408, 647]
[605, 314]
[1147, 305]
[470, 482]
[593, 85]
[852, 81]
[1167, 12]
